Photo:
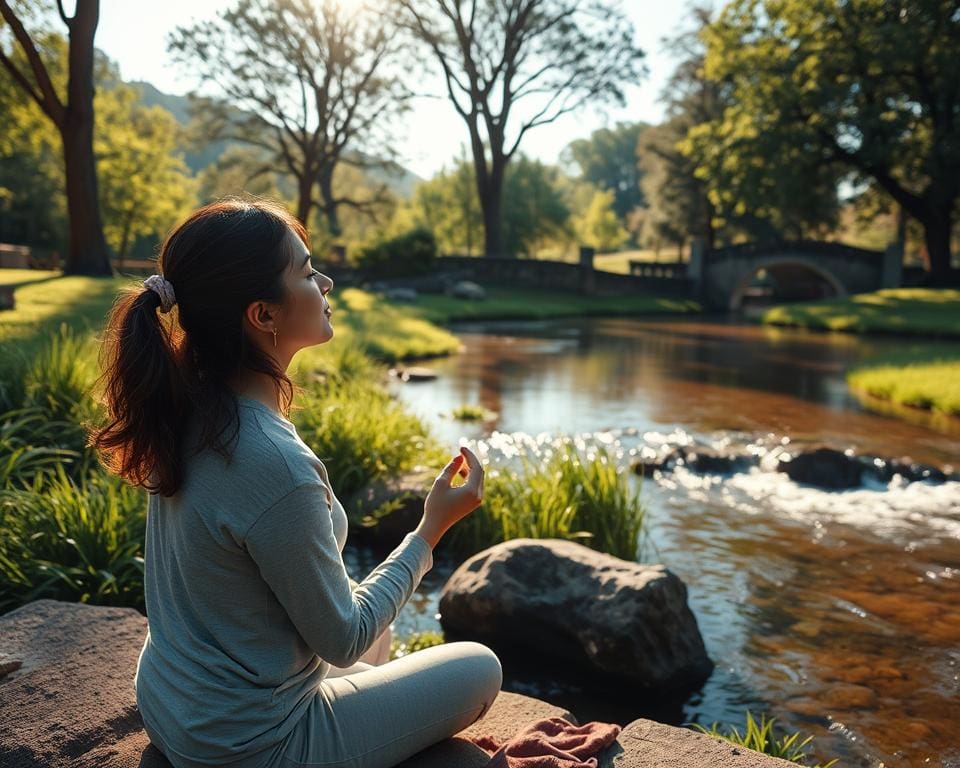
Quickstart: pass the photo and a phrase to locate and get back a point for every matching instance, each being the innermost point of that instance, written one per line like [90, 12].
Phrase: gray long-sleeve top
[248, 600]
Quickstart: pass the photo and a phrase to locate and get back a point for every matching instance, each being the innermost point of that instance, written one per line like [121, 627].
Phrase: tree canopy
[867, 88]
[510, 66]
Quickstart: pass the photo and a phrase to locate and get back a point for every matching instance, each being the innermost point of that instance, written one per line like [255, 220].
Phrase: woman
[259, 651]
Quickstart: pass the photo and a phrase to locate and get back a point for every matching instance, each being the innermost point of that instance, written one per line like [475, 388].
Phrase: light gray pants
[371, 716]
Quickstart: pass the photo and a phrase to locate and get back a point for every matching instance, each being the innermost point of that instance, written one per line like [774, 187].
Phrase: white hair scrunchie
[164, 289]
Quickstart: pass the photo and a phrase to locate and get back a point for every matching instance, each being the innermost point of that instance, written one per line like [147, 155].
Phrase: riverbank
[922, 311]
[927, 380]
[531, 304]
[931, 382]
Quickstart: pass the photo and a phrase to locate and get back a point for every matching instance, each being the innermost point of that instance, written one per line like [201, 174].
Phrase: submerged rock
[619, 619]
[823, 467]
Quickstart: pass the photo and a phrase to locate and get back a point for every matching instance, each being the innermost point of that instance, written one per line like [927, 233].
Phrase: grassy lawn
[46, 299]
[523, 304]
[927, 311]
[620, 262]
[930, 382]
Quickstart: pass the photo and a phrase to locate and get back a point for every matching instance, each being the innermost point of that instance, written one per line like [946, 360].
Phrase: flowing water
[836, 612]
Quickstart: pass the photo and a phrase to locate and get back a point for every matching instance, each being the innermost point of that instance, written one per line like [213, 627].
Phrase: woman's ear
[261, 316]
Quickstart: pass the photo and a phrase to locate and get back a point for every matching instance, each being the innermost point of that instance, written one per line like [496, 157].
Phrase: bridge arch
[721, 276]
[787, 267]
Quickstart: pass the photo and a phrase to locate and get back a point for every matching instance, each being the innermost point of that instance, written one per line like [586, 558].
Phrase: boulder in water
[550, 597]
[823, 467]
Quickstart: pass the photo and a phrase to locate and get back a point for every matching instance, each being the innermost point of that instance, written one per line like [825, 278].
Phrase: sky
[133, 33]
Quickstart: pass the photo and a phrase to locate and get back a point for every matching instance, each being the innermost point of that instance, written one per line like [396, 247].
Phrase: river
[836, 612]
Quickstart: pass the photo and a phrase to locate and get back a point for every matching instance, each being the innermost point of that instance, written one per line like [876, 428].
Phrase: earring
[274, 338]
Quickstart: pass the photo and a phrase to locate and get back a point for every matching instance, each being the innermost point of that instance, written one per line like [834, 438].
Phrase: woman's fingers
[453, 466]
[476, 470]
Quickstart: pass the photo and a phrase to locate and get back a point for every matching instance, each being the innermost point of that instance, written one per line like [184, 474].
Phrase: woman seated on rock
[260, 651]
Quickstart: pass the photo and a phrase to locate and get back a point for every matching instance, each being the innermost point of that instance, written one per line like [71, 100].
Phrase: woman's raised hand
[445, 505]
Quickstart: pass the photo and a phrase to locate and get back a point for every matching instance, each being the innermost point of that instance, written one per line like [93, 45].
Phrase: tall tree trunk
[325, 182]
[492, 225]
[491, 203]
[936, 234]
[304, 199]
[87, 253]
[902, 228]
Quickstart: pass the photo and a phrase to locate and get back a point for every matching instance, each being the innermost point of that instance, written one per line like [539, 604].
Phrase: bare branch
[50, 103]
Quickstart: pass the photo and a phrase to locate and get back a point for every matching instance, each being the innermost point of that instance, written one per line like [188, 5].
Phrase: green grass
[23, 276]
[416, 641]
[620, 262]
[65, 540]
[561, 495]
[385, 331]
[926, 311]
[362, 434]
[523, 304]
[760, 737]
[928, 380]
[469, 412]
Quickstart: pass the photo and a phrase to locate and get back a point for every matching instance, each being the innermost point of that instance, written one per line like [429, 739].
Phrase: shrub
[362, 434]
[564, 495]
[412, 253]
[68, 540]
[761, 738]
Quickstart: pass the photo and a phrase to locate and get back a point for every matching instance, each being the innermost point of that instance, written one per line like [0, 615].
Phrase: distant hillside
[401, 180]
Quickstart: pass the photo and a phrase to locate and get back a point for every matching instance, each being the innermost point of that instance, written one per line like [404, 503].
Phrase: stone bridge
[800, 270]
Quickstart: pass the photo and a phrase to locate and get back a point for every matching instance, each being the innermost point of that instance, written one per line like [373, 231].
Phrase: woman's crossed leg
[379, 716]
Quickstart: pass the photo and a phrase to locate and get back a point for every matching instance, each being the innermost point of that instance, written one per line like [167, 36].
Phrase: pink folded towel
[550, 743]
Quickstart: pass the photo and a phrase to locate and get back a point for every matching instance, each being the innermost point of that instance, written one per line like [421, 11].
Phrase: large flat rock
[67, 699]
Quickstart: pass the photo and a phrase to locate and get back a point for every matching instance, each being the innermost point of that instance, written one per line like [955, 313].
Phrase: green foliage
[761, 738]
[28, 446]
[927, 379]
[469, 413]
[608, 160]
[926, 311]
[61, 376]
[414, 642]
[412, 253]
[33, 203]
[815, 91]
[534, 211]
[144, 184]
[362, 434]
[599, 226]
[448, 205]
[384, 331]
[563, 495]
[65, 540]
[678, 206]
[530, 303]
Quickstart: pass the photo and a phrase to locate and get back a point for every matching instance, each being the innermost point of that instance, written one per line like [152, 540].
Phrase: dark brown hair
[161, 369]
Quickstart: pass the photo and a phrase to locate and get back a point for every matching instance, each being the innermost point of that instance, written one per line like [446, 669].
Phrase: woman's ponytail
[172, 344]
[145, 398]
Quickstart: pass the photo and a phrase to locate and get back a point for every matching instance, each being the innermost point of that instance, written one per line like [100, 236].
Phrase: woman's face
[305, 320]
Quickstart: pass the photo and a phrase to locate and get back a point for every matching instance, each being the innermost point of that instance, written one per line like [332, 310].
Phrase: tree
[599, 226]
[32, 203]
[145, 186]
[608, 159]
[74, 119]
[512, 65]
[677, 203]
[310, 82]
[867, 86]
[448, 205]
